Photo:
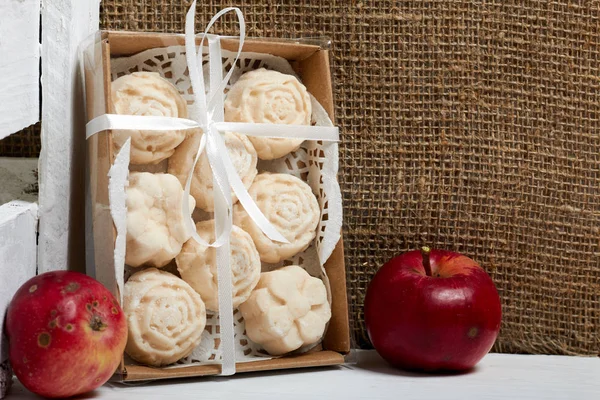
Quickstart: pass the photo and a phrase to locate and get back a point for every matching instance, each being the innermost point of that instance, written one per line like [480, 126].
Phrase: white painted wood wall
[61, 196]
[19, 64]
[18, 227]
[61, 241]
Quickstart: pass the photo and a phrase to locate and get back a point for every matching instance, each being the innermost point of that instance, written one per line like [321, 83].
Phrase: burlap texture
[467, 125]
[25, 143]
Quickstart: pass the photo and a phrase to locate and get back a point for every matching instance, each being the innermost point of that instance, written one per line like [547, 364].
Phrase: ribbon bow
[209, 111]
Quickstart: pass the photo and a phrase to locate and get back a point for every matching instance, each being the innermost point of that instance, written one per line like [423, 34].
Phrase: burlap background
[467, 125]
[22, 144]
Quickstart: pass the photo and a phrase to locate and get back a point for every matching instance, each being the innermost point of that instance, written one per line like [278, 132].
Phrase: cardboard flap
[128, 43]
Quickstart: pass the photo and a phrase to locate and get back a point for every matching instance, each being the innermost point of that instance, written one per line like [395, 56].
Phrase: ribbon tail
[225, 289]
[220, 184]
[244, 197]
[185, 203]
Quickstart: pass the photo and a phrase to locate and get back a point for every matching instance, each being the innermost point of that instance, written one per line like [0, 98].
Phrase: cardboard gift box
[310, 61]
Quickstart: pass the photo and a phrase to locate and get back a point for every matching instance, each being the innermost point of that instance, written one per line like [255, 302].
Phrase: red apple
[432, 310]
[66, 334]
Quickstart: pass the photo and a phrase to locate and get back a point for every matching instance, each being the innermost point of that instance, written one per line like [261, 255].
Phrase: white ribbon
[152, 123]
[209, 109]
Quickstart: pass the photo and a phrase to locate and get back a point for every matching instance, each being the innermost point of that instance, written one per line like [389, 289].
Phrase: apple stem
[426, 261]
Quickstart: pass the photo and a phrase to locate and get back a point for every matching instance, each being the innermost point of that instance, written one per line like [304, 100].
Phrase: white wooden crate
[61, 188]
[18, 235]
[61, 182]
[19, 64]
[65, 24]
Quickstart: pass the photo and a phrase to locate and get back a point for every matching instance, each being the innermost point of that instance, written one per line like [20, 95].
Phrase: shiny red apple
[432, 310]
[66, 334]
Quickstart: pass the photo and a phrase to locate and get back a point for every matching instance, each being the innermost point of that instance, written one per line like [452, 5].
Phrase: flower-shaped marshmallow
[155, 227]
[197, 265]
[147, 93]
[241, 153]
[264, 96]
[290, 206]
[165, 317]
[287, 310]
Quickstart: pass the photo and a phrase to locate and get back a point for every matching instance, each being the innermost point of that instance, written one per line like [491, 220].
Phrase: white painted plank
[498, 376]
[65, 24]
[18, 229]
[19, 64]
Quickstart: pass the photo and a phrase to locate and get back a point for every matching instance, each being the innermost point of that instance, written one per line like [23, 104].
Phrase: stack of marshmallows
[284, 309]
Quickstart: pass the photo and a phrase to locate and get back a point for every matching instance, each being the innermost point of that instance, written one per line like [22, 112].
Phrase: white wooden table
[498, 376]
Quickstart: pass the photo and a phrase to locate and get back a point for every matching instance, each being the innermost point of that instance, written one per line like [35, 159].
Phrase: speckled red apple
[66, 334]
[432, 310]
